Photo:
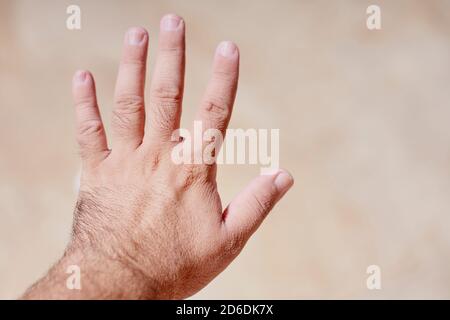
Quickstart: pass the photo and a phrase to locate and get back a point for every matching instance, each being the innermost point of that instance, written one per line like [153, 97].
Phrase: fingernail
[80, 77]
[227, 49]
[283, 181]
[136, 36]
[170, 22]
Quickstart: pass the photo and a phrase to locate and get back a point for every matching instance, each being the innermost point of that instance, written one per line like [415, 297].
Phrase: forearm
[98, 279]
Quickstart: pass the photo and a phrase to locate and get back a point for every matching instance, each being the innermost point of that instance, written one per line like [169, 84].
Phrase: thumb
[246, 212]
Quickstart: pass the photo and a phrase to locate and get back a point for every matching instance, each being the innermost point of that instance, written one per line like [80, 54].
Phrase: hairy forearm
[98, 279]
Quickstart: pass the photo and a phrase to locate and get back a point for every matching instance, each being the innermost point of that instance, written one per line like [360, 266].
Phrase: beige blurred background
[364, 118]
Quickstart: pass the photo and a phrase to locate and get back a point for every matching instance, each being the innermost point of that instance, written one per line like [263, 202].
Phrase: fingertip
[171, 22]
[81, 77]
[226, 60]
[283, 181]
[246, 212]
[82, 85]
[136, 36]
[227, 49]
[138, 29]
[280, 178]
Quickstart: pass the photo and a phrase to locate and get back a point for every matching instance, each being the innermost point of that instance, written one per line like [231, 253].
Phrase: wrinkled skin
[145, 227]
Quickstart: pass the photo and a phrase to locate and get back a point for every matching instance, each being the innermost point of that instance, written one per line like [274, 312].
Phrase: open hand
[145, 227]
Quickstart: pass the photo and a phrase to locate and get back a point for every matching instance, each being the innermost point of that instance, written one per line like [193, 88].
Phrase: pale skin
[145, 227]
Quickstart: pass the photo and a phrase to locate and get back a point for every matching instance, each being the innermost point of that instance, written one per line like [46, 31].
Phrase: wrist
[83, 273]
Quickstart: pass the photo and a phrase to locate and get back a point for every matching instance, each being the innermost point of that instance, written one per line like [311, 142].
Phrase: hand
[145, 227]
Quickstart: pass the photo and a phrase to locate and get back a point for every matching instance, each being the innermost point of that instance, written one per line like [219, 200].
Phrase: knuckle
[85, 103]
[128, 104]
[134, 63]
[163, 118]
[228, 77]
[233, 244]
[173, 50]
[216, 109]
[264, 202]
[191, 175]
[165, 100]
[90, 128]
[166, 95]
[128, 107]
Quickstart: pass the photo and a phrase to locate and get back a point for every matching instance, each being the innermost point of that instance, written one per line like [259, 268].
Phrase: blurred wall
[364, 118]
